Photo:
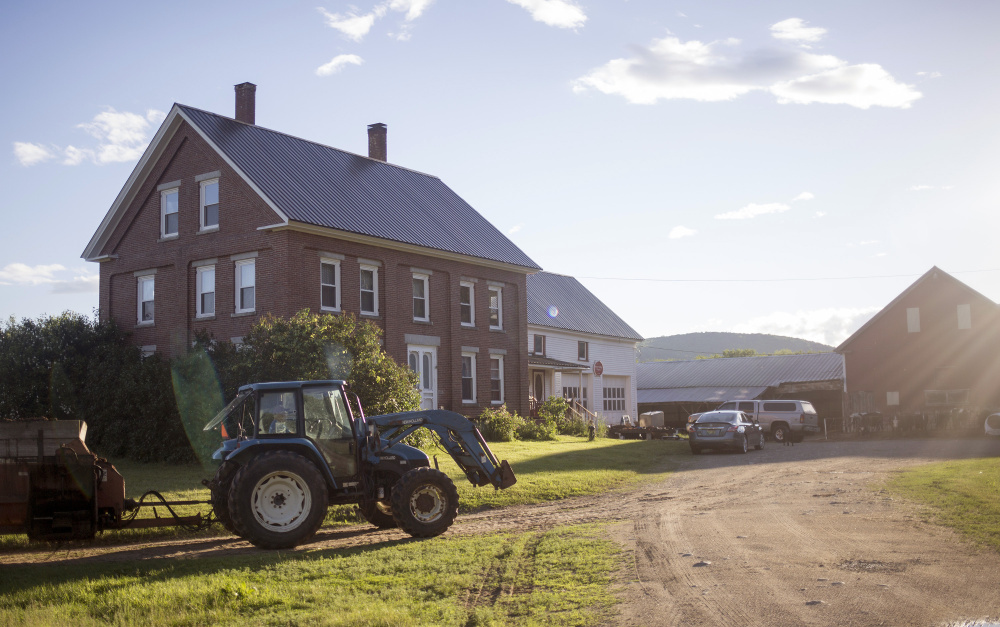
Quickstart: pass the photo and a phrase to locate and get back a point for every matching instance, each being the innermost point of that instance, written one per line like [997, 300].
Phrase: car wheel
[424, 502]
[761, 445]
[744, 445]
[278, 500]
[779, 433]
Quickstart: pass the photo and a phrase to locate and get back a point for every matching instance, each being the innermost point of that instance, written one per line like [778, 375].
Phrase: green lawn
[961, 494]
[562, 576]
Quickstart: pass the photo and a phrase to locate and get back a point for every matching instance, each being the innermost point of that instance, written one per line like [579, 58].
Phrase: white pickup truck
[781, 419]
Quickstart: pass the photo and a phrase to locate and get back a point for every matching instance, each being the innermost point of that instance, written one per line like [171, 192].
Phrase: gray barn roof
[324, 186]
[576, 308]
[661, 380]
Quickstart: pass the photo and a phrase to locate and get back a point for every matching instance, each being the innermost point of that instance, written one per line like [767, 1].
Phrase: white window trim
[473, 400]
[374, 270]
[140, 280]
[534, 340]
[964, 317]
[498, 358]
[163, 212]
[425, 279]
[585, 357]
[913, 319]
[336, 277]
[238, 275]
[499, 292]
[201, 206]
[472, 303]
[201, 270]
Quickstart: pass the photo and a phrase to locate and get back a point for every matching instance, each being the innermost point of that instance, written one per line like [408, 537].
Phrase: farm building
[681, 388]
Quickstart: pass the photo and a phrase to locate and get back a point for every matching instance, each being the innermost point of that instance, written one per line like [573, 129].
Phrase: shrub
[538, 430]
[499, 425]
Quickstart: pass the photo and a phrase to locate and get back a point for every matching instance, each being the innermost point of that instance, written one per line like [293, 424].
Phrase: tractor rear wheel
[221, 484]
[278, 500]
[424, 502]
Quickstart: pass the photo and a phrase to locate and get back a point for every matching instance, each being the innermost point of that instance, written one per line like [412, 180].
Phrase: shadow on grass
[640, 456]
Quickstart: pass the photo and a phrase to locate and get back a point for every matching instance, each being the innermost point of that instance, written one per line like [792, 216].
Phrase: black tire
[221, 484]
[779, 433]
[424, 502]
[745, 446]
[761, 445]
[379, 511]
[278, 500]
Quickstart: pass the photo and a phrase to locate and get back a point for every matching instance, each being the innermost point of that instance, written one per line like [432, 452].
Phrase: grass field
[561, 576]
[961, 494]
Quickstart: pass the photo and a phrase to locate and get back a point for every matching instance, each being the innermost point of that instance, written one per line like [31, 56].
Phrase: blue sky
[781, 167]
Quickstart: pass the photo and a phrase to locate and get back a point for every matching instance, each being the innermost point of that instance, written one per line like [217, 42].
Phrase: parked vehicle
[780, 419]
[650, 427]
[993, 424]
[732, 430]
[293, 448]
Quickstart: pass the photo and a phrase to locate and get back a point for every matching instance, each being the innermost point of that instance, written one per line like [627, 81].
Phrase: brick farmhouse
[223, 221]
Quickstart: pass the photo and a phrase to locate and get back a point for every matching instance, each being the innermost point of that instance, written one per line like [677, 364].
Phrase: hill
[691, 345]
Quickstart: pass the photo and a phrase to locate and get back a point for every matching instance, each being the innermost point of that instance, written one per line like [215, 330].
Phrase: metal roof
[762, 372]
[548, 362]
[575, 307]
[698, 395]
[324, 186]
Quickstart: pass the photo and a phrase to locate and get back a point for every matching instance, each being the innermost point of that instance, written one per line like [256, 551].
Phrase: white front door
[423, 361]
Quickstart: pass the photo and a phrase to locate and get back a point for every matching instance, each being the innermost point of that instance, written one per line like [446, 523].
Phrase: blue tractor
[291, 449]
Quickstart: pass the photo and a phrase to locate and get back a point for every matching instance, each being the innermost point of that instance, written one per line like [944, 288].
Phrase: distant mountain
[691, 345]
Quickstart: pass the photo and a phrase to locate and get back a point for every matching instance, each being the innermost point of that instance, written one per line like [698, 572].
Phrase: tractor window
[326, 418]
[277, 413]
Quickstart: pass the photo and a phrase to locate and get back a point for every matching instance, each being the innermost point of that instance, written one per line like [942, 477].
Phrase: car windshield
[719, 416]
[219, 417]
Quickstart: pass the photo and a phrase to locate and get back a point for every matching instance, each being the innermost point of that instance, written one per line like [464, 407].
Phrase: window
[421, 307]
[369, 290]
[468, 378]
[581, 351]
[278, 413]
[467, 303]
[614, 399]
[779, 407]
[246, 281]
[168, 212]
[496, 380]
[329, 279]
[913, 319]
[145, 299]
[571, 392]
[205, 306]
[892, 398]
[946, 397]
[965, 316]
[209, 204]
[496, 308]
[539, 344]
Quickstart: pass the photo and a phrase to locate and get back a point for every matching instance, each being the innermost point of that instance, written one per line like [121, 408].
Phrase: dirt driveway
[797, 536]
[784, 536]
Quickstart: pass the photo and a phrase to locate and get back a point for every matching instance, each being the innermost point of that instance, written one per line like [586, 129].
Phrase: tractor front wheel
[278, 500]
[424, 502]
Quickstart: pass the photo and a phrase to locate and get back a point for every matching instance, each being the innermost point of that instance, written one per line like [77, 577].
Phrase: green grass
[961, 495]
[561, 576]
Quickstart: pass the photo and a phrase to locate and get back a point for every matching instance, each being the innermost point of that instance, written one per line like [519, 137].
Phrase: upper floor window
[582, 350]
[421, 305]
[168, 212]
[496, 379]
[965, 316]
[467, 303]
[369, 290]
[209, 204]
[913, 319]
[206, 291]
[246, 285]
[468, 377]
[145, 299]
[539, 344]
[496, 307]
[329, 280]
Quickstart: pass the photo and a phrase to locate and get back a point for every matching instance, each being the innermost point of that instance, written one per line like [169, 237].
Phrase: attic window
[168, 212]
[209, 204]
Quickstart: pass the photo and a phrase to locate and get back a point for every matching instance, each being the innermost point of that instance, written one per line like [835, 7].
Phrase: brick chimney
[376, 141]
[246, 102]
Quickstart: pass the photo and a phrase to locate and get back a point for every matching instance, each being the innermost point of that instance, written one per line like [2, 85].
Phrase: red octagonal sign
[598, 368]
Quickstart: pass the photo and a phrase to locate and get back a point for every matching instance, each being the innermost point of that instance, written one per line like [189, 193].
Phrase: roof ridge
[308, 141]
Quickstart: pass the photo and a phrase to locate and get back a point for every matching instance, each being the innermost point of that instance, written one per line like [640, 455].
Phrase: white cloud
[864, 85]
[338, 63]
[123, 136]
[794, 29]
[82, 284]
[352, 25]
[820, 214]
[558, 13]
[867, 242]
[753, 210]
[76, 156]
[681, 231]
[515, 228]
[930, 74]
[719, 70]
[29, 154]
[413, 8]
[23, 274]
[829, 326]
[804, 196]
[921, 188]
